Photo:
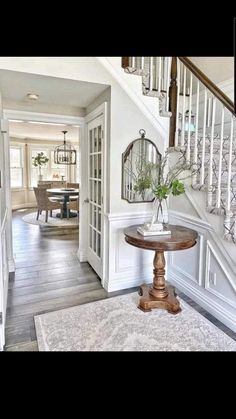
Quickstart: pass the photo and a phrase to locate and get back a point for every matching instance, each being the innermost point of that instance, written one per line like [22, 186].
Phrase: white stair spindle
[177, 105]
[142, 63]
[189, 118]
[195, 152]
[203, 140]
[167, 84]
[133, 62]
[218, 194]
[183, 110]
[209, 112]
[159, 74]
[228, 199]
[150, 74]
[210, 168]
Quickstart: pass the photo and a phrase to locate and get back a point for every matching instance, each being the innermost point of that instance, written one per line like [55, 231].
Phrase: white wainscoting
[128, 266]
[203, 273]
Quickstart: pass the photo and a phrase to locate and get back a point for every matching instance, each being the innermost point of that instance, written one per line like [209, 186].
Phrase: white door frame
[63, 119]
[101, 110]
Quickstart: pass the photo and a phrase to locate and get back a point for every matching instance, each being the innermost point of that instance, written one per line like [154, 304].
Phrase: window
[50, 171]
[57, 170]
[16, 165]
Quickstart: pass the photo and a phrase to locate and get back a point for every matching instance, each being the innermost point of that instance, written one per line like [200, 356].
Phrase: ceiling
[56, 95]
[15, 85]
[218, 69]
[38, 131]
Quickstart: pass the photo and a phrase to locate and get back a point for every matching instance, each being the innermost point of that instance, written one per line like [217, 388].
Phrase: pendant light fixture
[65, 154]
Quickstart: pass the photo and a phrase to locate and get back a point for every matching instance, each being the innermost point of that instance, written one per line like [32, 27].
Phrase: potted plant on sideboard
[38, 161]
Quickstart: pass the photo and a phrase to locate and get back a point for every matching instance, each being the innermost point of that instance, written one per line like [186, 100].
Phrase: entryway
[48, 277]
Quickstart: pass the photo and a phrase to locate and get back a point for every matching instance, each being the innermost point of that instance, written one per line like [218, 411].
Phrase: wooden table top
[181, 238]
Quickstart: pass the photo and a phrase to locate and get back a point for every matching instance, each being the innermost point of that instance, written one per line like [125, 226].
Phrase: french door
[95, 193]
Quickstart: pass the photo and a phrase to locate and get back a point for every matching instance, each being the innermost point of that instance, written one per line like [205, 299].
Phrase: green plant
[40, 160]
[171, 181]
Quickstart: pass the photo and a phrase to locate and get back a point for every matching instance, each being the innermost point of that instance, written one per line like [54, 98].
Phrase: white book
[146, 232]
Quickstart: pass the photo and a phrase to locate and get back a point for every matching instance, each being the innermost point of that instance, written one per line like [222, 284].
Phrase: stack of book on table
[153, 230]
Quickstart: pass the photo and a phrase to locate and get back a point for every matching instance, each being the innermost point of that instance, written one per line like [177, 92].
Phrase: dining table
[65, 193]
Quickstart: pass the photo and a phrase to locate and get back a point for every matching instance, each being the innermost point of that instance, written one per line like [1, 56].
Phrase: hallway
[48, 277]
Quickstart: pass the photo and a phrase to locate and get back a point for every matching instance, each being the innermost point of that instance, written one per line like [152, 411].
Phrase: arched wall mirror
[140, 164]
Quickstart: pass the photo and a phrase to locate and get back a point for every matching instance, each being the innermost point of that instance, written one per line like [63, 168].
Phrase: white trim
[133, 96]
[42, 117]
[195, 204]
[217, 239]
[99, 111]
[191, 220]
[128, 216]
[200, 266]
[82, 255]
[4, 222]
[11, 265]
[197, 280]
[26, 205]
[210, 249]
[200, 296]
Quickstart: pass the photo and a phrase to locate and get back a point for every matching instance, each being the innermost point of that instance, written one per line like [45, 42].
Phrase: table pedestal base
[147, 302]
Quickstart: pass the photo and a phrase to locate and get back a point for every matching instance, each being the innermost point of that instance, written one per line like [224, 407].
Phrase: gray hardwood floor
[49, 277]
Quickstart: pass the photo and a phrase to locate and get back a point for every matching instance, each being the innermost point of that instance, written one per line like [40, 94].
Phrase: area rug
[116, 324]
[52, 221]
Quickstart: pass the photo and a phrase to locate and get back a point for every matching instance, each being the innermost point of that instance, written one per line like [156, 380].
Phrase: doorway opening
[52, 271]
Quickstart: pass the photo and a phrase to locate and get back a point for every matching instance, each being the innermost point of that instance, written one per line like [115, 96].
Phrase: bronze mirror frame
[142, 133]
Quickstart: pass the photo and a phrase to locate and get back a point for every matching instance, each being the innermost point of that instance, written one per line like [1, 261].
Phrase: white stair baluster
[210, 168]
[218, 193]
[195, 152]
[189, 118]
[167, 84]
[150, 74]
[203, 140]
[177, 105]
[183, 109]
[159, 74]
[228, 199]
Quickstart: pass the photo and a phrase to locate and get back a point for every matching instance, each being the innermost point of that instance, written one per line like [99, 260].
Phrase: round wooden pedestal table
[159, 295]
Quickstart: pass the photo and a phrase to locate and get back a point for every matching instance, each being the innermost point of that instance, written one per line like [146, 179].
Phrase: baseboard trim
[82, 255]
[11, 265]
[23, 206]
[199, 295]
[124, 283]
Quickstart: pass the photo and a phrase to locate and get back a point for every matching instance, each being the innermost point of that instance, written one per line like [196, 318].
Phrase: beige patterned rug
[116, 324]
[52, 221]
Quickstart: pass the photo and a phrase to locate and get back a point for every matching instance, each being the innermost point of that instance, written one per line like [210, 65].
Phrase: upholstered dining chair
[72, 185]
[46, 203]
[75, 186]
[72, 205]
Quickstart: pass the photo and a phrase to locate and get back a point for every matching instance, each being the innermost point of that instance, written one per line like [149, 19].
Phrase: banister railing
[202, 120]
[225, 100]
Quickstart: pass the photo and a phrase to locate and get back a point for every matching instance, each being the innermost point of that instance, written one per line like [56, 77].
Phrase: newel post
[173, 101]
[124, 62]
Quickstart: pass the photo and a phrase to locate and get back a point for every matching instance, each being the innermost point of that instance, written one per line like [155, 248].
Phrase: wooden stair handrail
[209, 84]
[173, 90]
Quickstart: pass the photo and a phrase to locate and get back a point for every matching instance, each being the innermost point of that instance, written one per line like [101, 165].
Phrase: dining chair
[46, 203]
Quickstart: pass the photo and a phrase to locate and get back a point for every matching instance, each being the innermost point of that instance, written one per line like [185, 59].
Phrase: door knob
[86, 201]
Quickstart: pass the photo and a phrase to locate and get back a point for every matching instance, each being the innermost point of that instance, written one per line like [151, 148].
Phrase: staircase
[202, 121]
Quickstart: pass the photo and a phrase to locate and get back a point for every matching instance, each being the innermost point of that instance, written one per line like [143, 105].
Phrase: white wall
[217, 69]
[5, 224]
[127, 118]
